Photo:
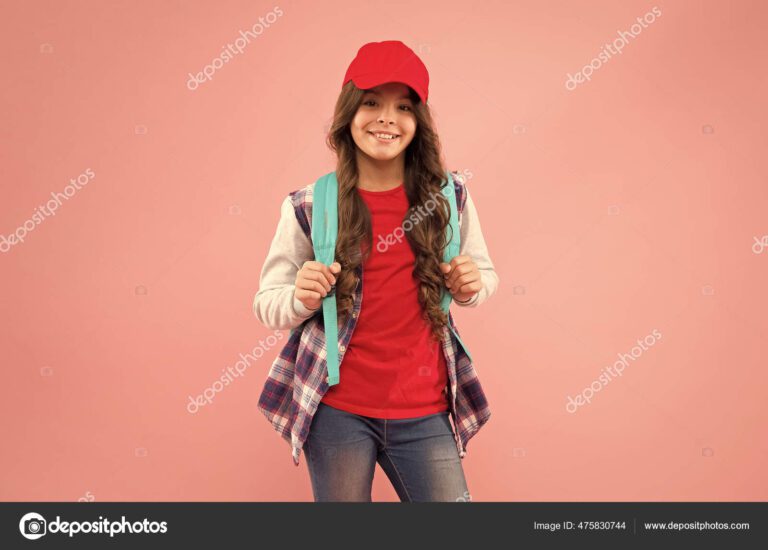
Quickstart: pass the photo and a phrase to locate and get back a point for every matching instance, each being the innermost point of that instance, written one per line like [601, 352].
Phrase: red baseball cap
[388, 61]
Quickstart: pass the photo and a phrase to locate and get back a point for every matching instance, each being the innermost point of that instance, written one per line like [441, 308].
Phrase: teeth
[384, 136]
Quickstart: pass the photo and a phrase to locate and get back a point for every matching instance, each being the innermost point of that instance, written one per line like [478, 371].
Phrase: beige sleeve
[274, 304]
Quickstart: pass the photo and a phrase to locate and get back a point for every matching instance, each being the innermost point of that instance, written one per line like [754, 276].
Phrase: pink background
[627, 205]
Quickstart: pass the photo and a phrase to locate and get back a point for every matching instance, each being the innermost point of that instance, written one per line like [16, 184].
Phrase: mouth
[384, 137]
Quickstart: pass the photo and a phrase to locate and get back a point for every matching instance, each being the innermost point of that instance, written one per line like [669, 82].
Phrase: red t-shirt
[392, 368]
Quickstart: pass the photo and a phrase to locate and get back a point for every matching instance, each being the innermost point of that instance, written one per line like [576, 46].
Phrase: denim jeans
[418, 455]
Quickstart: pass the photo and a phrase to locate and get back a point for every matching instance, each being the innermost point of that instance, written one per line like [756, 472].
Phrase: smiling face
[385, 123]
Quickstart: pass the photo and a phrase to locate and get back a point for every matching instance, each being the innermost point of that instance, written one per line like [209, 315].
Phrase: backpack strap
[325, 225]
[454, 244]
[452, 249]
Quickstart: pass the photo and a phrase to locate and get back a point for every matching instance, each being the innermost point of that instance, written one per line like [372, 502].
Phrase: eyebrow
[406, 96]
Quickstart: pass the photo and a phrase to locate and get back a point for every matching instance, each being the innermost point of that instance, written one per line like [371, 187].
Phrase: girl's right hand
[313, 282]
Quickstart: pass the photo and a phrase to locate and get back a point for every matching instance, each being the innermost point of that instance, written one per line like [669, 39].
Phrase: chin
[379, 156]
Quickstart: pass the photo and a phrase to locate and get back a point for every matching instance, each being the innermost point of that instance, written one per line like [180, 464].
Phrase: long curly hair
[424, 176]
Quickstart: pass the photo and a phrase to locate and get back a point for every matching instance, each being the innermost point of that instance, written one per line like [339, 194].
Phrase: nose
[387, 115]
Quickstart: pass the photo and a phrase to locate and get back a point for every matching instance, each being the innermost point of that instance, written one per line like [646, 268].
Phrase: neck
[379, 175]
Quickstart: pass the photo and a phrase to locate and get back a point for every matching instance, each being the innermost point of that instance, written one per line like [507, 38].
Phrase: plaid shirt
[297, 379]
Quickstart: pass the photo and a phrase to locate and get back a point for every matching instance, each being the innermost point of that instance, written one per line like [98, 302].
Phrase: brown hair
[424, 175]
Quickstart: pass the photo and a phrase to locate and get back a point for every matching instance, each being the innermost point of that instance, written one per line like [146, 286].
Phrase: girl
[403, 373]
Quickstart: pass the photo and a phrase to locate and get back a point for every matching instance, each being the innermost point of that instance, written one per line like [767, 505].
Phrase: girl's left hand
[462, 278]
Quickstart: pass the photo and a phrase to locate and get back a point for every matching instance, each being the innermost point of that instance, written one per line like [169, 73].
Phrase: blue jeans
[419, 456]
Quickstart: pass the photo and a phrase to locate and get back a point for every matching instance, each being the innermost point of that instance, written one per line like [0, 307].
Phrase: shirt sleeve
[473, 245]
[275, 305]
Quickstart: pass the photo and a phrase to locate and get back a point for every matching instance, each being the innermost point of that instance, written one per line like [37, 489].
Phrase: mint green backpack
[325, 226]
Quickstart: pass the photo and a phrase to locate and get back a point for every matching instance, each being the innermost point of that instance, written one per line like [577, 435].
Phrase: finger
[456, 262]
[318, 277]
[453, 275]
[326, 271]
[310, 283]
[472, 287]
[461, 270]
[303, 294]
[460, 259]
[465, 279]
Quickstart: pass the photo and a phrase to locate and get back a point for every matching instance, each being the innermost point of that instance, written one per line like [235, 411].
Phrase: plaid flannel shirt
[296, 381]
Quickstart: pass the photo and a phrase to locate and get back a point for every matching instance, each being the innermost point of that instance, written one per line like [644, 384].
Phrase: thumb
[335, 267]
[446, 268]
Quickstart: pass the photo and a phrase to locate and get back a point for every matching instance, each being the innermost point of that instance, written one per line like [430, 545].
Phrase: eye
[373, 102]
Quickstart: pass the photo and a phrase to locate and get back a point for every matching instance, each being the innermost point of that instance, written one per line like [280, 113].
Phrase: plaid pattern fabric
[297, 379]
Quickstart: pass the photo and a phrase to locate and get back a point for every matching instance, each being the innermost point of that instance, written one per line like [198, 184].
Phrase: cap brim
[365, 82]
